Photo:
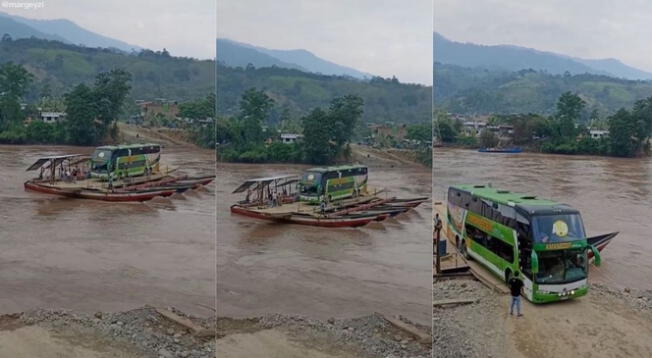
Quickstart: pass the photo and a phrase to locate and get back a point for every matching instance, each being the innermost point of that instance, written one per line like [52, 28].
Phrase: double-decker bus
[125, 160]
[332, 183]
[511, 232]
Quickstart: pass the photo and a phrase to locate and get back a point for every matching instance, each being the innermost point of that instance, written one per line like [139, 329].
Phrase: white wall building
[598, 133]
[53, 117]
[289, 138]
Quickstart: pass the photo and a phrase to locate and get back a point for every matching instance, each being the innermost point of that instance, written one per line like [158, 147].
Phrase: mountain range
[515, 58]
[59, 30]
[237, 54]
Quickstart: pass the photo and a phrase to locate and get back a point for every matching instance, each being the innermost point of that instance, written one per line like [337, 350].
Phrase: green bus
[125, 160]
[508, 232]
[332, 183]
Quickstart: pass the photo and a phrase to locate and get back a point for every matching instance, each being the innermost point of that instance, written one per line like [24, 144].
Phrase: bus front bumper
[543, 296]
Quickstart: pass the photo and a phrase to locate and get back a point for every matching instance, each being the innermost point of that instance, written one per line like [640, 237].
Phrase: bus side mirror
[597, 260]
[534, 259]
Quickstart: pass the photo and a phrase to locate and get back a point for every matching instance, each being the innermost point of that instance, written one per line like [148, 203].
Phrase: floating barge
[351, 212]
[159, 183]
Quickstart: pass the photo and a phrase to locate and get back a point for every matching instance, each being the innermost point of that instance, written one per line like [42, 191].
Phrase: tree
[109, 93]
[445, 128]
[318, 148]
[199, 109]
[488, 139]
[569, 110]
[14, 80]
[81, 113]
[622, 128]
[254, 110]
[343, 114]
[420, 132]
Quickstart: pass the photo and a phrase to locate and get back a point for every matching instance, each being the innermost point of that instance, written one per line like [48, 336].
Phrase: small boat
[95, 194]
[501, 150]
[349, 220]
[600, 241]
[411, 202]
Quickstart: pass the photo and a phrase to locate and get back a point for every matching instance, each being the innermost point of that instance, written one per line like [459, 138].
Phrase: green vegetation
[250, 137]
[58, 67]
[564, 132]
[202, 113]
[297, 93]
[481, 91]
[91, 111]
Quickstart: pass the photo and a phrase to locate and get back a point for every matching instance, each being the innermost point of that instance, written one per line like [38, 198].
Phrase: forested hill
[385, 100]
[57, 67]
[482, 91]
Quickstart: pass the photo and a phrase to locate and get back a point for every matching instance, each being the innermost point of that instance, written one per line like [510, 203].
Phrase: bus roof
[127, 146]
[528, 203]
[335, 168]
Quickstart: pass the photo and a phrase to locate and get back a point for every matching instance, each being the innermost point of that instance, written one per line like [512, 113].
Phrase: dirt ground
[138, 333]
[605, 323]
[282, 336]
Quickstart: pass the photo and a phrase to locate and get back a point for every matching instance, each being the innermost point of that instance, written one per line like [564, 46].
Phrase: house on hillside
[53, 117]
[290, 138]
[473, 128]
[598, 133]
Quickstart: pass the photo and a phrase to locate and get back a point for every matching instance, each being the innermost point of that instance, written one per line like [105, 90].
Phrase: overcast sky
[381, 37]
[579, 28]
[184, 28]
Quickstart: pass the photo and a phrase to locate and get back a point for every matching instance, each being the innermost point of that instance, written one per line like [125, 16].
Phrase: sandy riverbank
[297, 337]
[138, 333]
[605, 323]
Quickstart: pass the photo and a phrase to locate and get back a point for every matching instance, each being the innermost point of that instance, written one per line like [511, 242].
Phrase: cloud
[185, 28]
[579, 28]
[382, 37]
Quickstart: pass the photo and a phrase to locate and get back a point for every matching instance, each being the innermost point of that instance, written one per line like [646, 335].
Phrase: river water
[265, 267]
[613, 194]
[97, 256]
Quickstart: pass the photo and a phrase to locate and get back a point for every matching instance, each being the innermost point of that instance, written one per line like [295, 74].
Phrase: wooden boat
[350, 220]
[501, 150]
[600, 241]
[94, 194]
[411, 202]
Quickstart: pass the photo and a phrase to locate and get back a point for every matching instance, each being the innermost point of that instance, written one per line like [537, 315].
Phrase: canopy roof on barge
[55, 160]
[279, 180]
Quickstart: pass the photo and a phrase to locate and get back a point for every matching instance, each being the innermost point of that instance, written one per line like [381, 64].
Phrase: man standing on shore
[515, 285]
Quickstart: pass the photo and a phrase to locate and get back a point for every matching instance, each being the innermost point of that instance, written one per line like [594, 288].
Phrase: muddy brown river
[97, 256]
[266, 267]
[613, 194]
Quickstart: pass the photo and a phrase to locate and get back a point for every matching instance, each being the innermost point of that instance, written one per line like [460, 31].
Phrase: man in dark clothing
[515, 285]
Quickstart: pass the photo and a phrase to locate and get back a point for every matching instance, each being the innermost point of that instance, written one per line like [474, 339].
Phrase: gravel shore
[369, 336]
[139, 333]
[605, 323]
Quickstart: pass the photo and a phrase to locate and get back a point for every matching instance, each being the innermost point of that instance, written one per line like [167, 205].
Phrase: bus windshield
[557, 228]
[100, 160]
[561, 266]
[310, 183]
[101, 155]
